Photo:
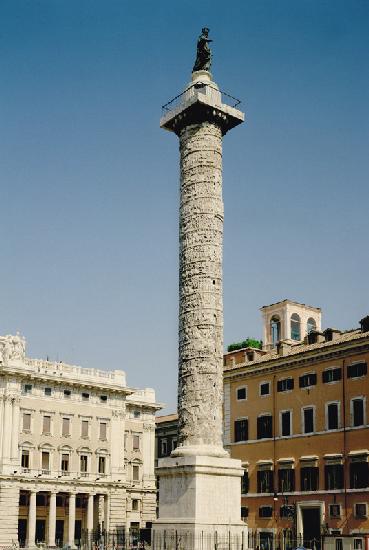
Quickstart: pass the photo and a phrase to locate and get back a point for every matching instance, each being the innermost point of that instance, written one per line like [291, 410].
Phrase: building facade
[76, 451]
[166, 435]
[296, 414]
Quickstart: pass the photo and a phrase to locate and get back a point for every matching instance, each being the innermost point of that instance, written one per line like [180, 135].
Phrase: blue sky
[89, 182]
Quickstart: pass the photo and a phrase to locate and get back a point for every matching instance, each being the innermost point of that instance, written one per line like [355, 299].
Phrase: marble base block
[199, 504]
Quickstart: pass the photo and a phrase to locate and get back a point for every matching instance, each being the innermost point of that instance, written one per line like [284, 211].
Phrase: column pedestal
[199, 501]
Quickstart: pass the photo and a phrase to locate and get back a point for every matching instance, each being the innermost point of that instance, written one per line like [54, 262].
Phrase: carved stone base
[199, 504]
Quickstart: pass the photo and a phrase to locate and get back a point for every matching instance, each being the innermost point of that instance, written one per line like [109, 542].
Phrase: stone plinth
[199, 501]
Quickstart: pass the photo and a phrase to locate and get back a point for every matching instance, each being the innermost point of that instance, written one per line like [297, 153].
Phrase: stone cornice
[305, 359]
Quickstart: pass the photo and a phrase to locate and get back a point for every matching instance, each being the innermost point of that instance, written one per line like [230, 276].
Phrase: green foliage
[248, 343]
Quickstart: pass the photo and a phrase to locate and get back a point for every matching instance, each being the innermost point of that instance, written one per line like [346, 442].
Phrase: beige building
[296, 414]
[77, 451]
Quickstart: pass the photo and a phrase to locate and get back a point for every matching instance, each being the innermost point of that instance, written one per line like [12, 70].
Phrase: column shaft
[90, 514]
[200, 288]
[72, 519]
[15, 429]
[106, 512]
[52, 519]
[7, 427]
[32, 520]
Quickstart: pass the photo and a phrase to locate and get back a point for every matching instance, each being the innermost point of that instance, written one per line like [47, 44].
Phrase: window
[311, 325]
[135, 473]
[25, 459]
[307, 380]
[67, 394]
[27, 388]
[84, 429]
[333, 476]
[356, 370]
[286, 384]
[265, 481]
[47, 392]
[83, 459]
[174, 443]
[295, 327]
[136, 414]
[103, 430]
[46, 424]
[335, 510]
[285, 423]
[275, 329]
[286, 480]
[241, 430]
[332, 416]
[358, 544]
[359, 474]
[265, 426]
[308, 419]
[65, 427]
[241, 394]
[60, 501]
[136, 442]
[102, 465]
[360, 510]
[45, 461]
[23, 499]
[244, 512]
[266, 540]
[265, 512]
[309, 478]
[103, 398]
[357, 411]
[339, 544]
[245, 482]
[40, 499]
[85, 396]
[286, 511]
[135, 505]
[331, 375]
[264, 388]
[26, 422]
[65, 463]
[163, 447]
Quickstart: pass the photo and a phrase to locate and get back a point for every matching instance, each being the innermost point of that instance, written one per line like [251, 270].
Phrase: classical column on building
[90, 515]
[208, 503]
[148, 451]
[106, 512]
[15, 429]
[52, 519]
[2, 414]
[31, 528]
[7, 429]
[71, 519]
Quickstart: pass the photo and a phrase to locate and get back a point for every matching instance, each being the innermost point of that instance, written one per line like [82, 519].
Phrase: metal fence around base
[182, 540]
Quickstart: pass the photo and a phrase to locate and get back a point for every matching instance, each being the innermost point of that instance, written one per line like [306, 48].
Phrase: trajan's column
[200, 486]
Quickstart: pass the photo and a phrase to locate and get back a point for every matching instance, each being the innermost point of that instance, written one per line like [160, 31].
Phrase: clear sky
[89, 182]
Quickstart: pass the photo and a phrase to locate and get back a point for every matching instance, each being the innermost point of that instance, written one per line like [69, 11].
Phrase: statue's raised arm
[203, 58]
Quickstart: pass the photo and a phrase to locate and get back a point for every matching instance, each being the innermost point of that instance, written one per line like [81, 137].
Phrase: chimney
[331, 334]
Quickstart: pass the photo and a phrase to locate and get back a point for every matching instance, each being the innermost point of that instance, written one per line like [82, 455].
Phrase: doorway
[311, 527]
[40, 530]
[22, 532]
[59, 532]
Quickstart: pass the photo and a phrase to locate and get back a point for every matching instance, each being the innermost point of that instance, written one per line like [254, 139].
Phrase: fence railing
[199, 86]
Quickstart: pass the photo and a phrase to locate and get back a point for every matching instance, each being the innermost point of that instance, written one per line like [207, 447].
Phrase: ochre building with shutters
[296, 414]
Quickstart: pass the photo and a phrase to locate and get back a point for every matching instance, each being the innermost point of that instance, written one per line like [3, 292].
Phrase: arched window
[311, 325]
[295, 327]
[275, 329]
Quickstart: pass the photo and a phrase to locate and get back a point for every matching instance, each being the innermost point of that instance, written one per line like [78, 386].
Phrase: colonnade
[51, 542]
